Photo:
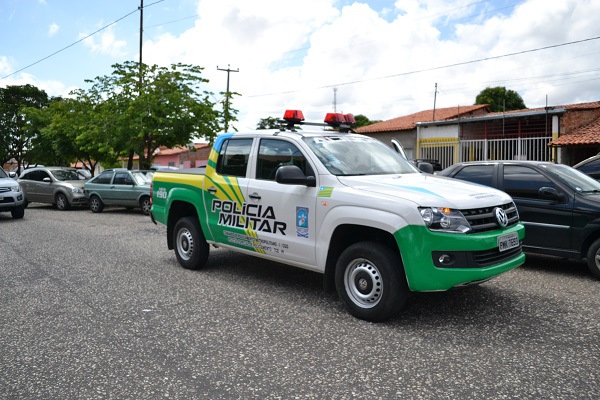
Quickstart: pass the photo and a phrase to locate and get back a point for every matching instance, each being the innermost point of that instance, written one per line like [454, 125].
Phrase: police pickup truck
[341, 204]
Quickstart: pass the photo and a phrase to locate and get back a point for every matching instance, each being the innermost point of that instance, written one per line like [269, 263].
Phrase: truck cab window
[273, 153]
[233, 157]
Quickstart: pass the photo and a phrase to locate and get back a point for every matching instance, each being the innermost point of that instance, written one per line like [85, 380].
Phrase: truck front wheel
[370, 280]
[191, 248]
[593, 258]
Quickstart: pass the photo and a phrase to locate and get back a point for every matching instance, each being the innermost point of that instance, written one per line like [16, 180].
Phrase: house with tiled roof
[580, 132]
[181, 156]
[565, 134]
[404, 129]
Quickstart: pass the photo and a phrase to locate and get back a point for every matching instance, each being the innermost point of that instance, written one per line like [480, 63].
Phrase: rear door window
[482, 174]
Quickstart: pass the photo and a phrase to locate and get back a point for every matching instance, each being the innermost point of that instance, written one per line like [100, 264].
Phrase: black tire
[145, 205]
[18, 212]
[62, 203]
[593, 258]
[96, 205]
[370, 280]
[189, 244]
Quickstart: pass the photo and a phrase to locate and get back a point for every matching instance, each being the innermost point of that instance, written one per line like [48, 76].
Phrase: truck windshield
[357, 155]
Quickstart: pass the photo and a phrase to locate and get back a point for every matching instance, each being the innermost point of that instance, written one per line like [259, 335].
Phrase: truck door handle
[212, 190]
[255, 196]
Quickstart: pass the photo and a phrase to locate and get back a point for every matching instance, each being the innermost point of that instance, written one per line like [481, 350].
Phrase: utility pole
[141, 38]
[228, 70]
[434, 100]
[334, 99]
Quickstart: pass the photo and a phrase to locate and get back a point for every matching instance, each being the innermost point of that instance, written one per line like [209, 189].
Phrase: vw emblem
[501, 217]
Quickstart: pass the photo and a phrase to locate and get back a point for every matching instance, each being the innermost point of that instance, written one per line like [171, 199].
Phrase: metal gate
[449, 150]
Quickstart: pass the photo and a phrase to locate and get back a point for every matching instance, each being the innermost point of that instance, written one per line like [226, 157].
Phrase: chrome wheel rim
[60, 202]
[364, 284]
[185, 244]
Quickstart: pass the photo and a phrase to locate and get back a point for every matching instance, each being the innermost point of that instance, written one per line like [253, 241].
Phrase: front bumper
[420, 248]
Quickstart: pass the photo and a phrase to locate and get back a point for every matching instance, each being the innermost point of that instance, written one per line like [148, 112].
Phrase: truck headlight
[444, 220]
[16, 188]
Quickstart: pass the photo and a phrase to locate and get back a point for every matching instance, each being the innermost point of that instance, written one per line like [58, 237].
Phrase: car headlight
[76, 190]
[15, 188]
[444, 220]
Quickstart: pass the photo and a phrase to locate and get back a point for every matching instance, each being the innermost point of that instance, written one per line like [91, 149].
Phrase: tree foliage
[132, 111]
[499, 99]
[17, 132]
[268, 123]
[362, 120]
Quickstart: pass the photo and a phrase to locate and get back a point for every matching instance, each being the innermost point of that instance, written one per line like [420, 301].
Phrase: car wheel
[18, 212]
[61, 202]
[370, 280]
[593, 258]
[190, 245]
[96, 205]
[145, 205]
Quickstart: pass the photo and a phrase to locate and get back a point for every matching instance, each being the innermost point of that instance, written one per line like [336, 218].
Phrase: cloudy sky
[379, 58]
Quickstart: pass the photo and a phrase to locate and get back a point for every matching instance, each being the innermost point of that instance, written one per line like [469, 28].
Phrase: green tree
[169, 109]
[268, 123]
[361, 120]
[16, 132]
[499, 99]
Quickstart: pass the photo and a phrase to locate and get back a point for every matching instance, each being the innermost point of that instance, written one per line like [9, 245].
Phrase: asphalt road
[94, 306]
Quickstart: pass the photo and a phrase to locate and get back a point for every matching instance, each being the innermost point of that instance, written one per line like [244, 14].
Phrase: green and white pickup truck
[344, 205]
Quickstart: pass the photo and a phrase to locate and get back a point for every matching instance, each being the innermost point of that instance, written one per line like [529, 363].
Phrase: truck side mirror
[425, 167]
[550, 193]
[292, 175]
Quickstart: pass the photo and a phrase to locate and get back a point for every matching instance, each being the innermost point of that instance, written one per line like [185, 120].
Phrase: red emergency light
[339, 118]
[339, 121]
[293, 116]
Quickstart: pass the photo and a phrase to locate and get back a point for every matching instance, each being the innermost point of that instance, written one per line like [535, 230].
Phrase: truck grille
[484, 219]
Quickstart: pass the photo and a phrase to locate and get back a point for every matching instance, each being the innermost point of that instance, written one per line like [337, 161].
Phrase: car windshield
[576, 180]
[141, 178]
[3, 174]
[357, 155]
[67, 175]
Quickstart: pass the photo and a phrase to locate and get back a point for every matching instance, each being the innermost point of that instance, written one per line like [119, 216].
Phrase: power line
[79, 41]
[433, 68]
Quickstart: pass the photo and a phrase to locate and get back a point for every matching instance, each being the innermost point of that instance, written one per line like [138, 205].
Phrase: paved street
[94, 306]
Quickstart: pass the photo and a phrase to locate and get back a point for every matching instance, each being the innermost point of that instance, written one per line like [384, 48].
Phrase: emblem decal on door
[302, 222]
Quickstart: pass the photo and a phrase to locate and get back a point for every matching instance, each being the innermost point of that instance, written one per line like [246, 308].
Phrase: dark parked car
[590, 166]
[119, 187]
[559, 206]
[60, 186]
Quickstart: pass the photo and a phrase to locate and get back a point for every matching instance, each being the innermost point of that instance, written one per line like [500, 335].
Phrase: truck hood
[428, 190]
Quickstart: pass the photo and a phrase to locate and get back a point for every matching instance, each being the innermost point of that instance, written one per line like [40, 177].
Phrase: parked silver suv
[12, 197]
[60, 186]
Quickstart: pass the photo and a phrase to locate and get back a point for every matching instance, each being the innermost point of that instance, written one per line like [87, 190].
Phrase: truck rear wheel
[190, 245]
[370, 280]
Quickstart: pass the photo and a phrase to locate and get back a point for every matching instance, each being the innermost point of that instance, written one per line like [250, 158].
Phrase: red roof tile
[408, 122]
[584, 135]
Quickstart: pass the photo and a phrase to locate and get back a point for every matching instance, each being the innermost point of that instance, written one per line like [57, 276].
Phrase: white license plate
[507, 242]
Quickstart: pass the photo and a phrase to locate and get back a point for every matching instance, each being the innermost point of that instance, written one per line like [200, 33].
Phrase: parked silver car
[59, 186]
[121, 188]
[11, 195]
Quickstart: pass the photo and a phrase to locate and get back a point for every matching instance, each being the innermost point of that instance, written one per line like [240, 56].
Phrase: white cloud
[53, 29]
[106, 43]
[383, 63]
